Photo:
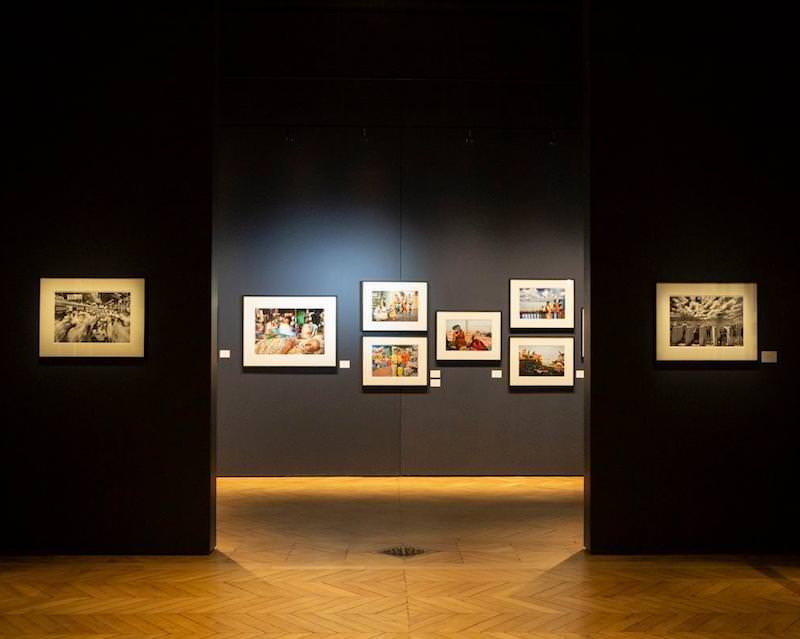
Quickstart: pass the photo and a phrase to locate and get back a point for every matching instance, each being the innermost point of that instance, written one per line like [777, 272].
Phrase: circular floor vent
[403, 551]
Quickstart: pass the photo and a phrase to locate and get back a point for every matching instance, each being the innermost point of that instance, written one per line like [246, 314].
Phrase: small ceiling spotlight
[469, 140]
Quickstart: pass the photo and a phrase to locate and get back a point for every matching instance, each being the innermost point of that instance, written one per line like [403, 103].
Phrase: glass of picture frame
[297, 331]
[91, 317]
[548, 304]
[394, 361]
[541, 361]
[706, 322]
[468, 335]
[394, 306]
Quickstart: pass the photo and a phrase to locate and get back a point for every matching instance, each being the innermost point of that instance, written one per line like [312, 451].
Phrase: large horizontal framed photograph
[91, 317]
[541, 361]
[394, 306]
[542, 303]
[289, 331]
[394, 361]
[468, 335]
[706, 322]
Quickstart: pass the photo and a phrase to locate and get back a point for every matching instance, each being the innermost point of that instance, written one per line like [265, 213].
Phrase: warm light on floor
[300, 558]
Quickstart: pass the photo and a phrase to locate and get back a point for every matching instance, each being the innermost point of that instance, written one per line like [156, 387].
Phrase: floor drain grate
[403, 551]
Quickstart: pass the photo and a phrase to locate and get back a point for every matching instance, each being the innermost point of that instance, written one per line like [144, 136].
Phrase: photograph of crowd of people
[289, 331]
[542, 303]
[706, 320]
[537, 360]
[395, 306]
[469, 335]
[395, 361]
[92, 317]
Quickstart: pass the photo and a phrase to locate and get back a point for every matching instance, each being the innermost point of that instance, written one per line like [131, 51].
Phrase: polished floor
[300, 558]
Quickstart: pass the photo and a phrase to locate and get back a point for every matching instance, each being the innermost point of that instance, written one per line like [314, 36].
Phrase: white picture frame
[277, 329]
[711, 322]
[91, 317]
[399, 301]
[472, 327]
[388, 370]
[551, 351]
[529, 300]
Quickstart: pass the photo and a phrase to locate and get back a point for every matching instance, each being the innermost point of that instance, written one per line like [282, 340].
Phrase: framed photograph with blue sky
[544, 304]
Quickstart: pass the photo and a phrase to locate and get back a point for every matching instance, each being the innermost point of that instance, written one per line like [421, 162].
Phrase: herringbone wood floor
[297, 559]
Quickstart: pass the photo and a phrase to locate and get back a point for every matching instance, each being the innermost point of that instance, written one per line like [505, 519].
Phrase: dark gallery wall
[691, 158]
[350, 161]
[111, 148]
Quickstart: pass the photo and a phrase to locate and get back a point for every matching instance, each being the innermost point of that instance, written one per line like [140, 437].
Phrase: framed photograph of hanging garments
[468, 335]
[394, 361]
[706, 322]
[91, 317]
[289, 331]
[394, 306]
[541, 361]
[548, 304]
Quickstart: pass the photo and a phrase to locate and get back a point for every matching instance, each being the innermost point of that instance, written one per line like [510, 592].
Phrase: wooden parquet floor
[298, 558]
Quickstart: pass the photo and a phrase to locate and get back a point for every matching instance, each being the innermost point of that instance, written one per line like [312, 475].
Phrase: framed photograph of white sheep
[91, 317]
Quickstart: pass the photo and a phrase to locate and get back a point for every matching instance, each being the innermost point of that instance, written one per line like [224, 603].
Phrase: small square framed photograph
[542, 303]
[541, 361]
[706, 322]
[91, 317]
[395, 361]
[289, 330]
[468, 335]
[394, 306]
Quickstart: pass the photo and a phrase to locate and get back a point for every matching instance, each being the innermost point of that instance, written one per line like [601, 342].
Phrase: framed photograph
[541, 361]
[395, 361]
[706, 322]
[468, 335]
[394, 306]
[91, 317]
[542, 303]
[289, 331]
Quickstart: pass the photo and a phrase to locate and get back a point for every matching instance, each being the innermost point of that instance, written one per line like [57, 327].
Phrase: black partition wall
[692, 175]
[110, 145]
[408, 141]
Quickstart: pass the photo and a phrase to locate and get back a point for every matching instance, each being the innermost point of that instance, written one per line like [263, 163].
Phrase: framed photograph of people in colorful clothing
[289, 331]
[394, 306]
[468, 335]
[542, 303]
[395, 361]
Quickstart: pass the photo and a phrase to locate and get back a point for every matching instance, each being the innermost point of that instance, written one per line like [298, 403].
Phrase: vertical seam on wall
[400, 456]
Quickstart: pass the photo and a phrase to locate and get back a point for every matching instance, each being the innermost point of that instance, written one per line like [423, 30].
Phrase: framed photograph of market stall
[289, 331]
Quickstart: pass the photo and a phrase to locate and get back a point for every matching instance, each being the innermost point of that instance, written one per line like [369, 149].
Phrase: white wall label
[344, 363]
[497, 374]
[769, 357]
[579, 374]
[224, 353]
[436, 383]
[436, 374]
